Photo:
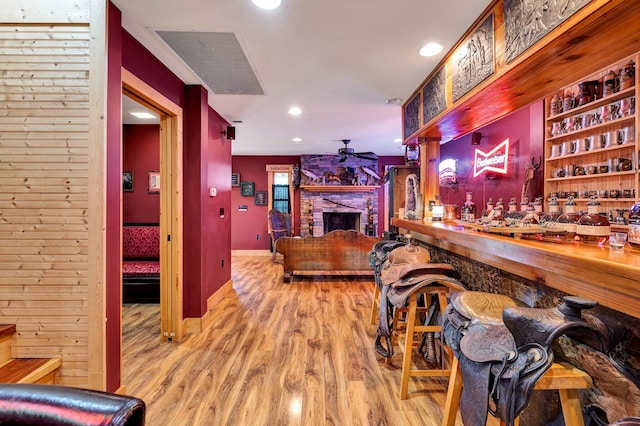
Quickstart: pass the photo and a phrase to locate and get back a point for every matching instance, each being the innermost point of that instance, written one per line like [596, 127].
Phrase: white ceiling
[338, 60]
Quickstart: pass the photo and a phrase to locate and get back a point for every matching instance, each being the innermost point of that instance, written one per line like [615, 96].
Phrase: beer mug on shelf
[604, 140]
[628, 106]
[556, 150]
[623, 135]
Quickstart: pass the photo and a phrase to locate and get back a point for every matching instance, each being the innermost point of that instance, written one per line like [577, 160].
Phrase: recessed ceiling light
[393, 101]
[297, 139]
[398, 140]
[295, 110]
[267, 4]
[142, 114]
[430, 49]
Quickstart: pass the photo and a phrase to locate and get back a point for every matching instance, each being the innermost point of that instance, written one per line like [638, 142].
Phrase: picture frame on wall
[127, 181]
[153, 185]
[261, 198]
[247, 189]
[235, 179]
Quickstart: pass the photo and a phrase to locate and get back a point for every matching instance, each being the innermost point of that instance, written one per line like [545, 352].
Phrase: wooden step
[30, 370]
[6, 333]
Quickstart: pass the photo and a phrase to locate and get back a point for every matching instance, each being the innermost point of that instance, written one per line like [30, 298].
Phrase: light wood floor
[276, 354]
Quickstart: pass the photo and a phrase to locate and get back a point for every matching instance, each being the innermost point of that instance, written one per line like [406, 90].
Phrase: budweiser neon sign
[493, 161]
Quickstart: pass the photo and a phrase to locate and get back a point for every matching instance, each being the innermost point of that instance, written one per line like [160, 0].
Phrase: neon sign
[492, 161]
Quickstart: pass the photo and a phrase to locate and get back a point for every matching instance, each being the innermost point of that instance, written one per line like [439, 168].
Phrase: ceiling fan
[347, 152]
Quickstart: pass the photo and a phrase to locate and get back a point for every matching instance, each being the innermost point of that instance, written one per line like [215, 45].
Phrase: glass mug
[604, 140]
[624, 135]
[569, 147]
[628, 106]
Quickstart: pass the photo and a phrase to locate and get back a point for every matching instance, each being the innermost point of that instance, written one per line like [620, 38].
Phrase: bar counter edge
[611, 277]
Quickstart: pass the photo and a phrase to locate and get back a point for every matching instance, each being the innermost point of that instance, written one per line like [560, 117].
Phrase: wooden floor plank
[275, 354]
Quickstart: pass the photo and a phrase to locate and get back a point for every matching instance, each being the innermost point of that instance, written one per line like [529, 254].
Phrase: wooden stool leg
[571, 409]
[375, 308]
[454, 391]
[408, 345]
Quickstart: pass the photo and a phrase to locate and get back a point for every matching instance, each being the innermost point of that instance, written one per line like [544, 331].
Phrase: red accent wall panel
[141, 154]
[138, 60]
[217, 210]
[524, 130]
[113, 187]
[249, 228]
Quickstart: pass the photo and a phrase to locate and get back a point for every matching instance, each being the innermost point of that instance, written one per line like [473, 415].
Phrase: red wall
[525, 132]
[214, 159]
[249, 228]
[113, 236]
[141, 154]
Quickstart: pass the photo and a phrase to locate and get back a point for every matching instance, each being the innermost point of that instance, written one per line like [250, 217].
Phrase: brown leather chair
[279, 226]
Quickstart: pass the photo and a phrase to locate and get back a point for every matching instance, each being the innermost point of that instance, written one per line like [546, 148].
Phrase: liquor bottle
[469, 209]
[593, 227]
[568, 221]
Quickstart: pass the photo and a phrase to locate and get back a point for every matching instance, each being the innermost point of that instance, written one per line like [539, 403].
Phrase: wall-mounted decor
[261, 198]
[153, 186]
[434, 96]
[473, 61]
[527, 21]
[127, 181]
[247, 189]
[411, 116]
[235, 179]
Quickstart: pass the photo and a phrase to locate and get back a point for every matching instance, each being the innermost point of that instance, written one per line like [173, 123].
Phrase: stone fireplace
[340, 220]
[328, 202]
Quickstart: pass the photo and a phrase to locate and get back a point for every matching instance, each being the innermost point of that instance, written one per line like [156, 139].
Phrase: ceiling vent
[217, 58]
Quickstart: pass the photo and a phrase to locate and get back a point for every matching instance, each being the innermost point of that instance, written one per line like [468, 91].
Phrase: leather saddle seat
[504, 347]
[406, 270]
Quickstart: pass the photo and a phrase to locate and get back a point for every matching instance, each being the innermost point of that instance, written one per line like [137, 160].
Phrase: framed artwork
[247, 189]
[153, 186]
[473, 61]
[261, 198]
[235, 179]
[127, 181]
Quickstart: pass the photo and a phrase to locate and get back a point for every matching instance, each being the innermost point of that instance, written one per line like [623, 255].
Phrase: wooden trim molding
[197, 325]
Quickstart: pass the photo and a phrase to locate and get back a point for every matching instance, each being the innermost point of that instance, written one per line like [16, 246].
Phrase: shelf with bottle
[607, 149]
[591, 176]
[591, 138]
[605, 100]
[559, 131]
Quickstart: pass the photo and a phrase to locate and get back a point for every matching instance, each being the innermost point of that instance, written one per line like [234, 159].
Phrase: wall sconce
[230, 133]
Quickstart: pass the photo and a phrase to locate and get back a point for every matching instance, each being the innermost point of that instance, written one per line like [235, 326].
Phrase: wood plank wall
[44, 207]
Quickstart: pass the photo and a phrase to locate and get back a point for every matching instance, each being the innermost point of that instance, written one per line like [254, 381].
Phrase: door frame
[171, 137]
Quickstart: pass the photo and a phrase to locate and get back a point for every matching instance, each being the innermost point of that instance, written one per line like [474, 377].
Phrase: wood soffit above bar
[599, 34]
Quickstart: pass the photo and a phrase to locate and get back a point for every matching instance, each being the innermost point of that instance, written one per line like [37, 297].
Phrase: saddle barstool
[482, 329]
[414, 326]
[563, 377]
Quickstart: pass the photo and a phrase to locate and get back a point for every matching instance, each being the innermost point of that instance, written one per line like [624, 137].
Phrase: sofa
[141, 263]
[338, 252]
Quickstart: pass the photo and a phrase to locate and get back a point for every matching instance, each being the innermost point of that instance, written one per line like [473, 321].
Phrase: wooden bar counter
[611, 277]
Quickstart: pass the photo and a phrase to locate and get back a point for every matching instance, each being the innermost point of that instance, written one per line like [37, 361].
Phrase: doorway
[170, 193]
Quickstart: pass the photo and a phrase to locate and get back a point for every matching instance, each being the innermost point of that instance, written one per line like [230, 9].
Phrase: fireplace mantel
[339, 188]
